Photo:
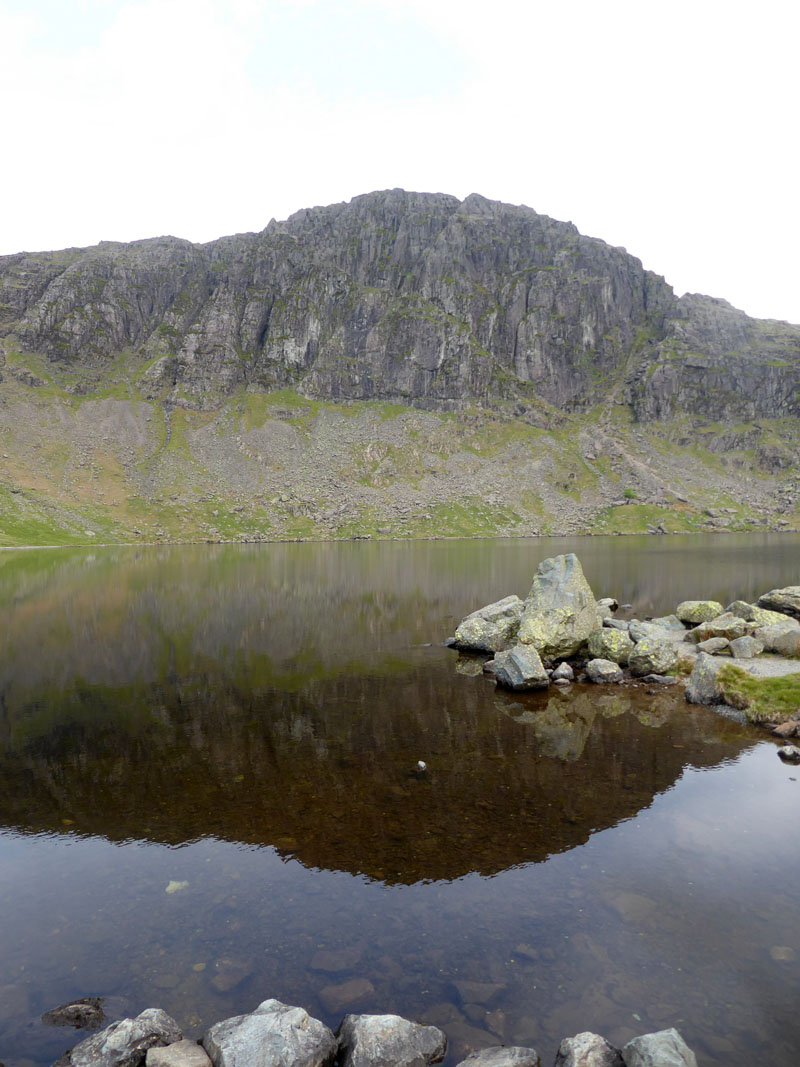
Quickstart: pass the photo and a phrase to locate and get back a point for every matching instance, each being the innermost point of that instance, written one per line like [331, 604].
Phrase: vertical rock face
[408, 296]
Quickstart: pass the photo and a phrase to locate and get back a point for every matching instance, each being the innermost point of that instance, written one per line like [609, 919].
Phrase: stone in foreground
[746, 647]
[125, 1043]
[587, 1050]
[703, 687]
[560, 611]
[388, 1041]
[612, 644]
[182, 1054]
[491, 628]
[603, 671]
[501, 1056]
[786, 601]
[652, 655]
[520, 668]
[693, 612]
[665, 1048]
[274, 1035]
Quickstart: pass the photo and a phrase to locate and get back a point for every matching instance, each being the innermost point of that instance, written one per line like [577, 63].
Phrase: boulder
[501, 1056]
[789, 753]
[746, 647]
[492, 628]
[773, 637]
[273, 1035]
[606, 643]
[560, 611]
[665, 1048]
[520, 668]
[182, 1054]
[714, 646]
[388, 1041]
[587, 1050]
[603, 671]
[725, 625]
[693, 612]
[786, 601]
[703, 687]
[787, 643]
[125, 1043]
[86, 1013]
[752, 613]
[652, 655]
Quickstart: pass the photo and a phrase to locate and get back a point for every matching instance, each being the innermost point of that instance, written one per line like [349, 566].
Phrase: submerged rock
[274, 1035]
[491, 628]
[561, 610]
[665, 1048]
[125, 1043]
[693, 612]
[501, 1056]
[388, 1041]
[520, 668]
[587, 1050]
[86, 1013]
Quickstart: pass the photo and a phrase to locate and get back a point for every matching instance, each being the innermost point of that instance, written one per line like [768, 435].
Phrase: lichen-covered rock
[637, 629]
[274, 1035]
[652, 655]
[607, 643]
[693, 612]
[388, 1041]
[786, 601]
[746, 647]
[520, 668]
[703, 687]
[603, 671]
[560, 611]
[725, 625]
[125, 1043]
[753, 613]
[665, 1048]
[491, 628]
[587, 1050]
[502, 1056]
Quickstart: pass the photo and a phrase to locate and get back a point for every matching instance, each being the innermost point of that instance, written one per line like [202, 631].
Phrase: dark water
[208, 798]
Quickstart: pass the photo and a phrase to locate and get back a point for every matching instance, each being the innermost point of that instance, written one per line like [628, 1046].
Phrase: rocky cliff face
[410, 297]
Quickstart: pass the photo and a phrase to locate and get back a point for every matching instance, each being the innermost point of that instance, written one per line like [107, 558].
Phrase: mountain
[491, 311]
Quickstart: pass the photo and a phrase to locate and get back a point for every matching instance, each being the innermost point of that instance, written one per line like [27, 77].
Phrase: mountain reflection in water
[209, 797]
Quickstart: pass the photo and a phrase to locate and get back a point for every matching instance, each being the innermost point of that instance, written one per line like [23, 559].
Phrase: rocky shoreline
[560, 633]
[281, 1035]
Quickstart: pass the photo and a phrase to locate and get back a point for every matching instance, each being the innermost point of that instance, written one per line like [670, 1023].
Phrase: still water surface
[208, 798]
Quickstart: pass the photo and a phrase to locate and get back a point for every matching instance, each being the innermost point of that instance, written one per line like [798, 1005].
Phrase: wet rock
[520, 668]
[502, 1056]
[182, 1054]
[491, 628]
[789, 753]
[388, 1041]
[560, 611]
[230, 972]
[703, 687]
[489, 667]
[714, 646]
[652, 655]
[478, 992]
[665, 1048]
[563, 672]
[86, 1013]
[335, 961]
[587, 1050]
[610, 644]
[125, 1043]
[274, 1035]
[693, 612]
[603, 671]
[786, 601]
[785, 729]
[352, 994]
[746, 647]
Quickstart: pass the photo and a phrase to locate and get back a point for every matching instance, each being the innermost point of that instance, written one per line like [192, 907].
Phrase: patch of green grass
[761, 699]
[634, 518]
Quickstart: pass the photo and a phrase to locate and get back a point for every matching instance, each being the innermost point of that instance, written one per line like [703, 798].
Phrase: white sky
[671, 128]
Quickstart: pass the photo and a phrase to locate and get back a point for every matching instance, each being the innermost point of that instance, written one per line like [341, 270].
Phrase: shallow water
[209, 798]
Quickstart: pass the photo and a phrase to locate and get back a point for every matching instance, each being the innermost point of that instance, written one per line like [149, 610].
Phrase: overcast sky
[669, 128]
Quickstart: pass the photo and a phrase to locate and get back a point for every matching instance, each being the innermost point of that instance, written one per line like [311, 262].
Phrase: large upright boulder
[491, 628]
[786, 600]
[561, 611]
[274, 1035]
[388, 1041]
[125, 1043]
